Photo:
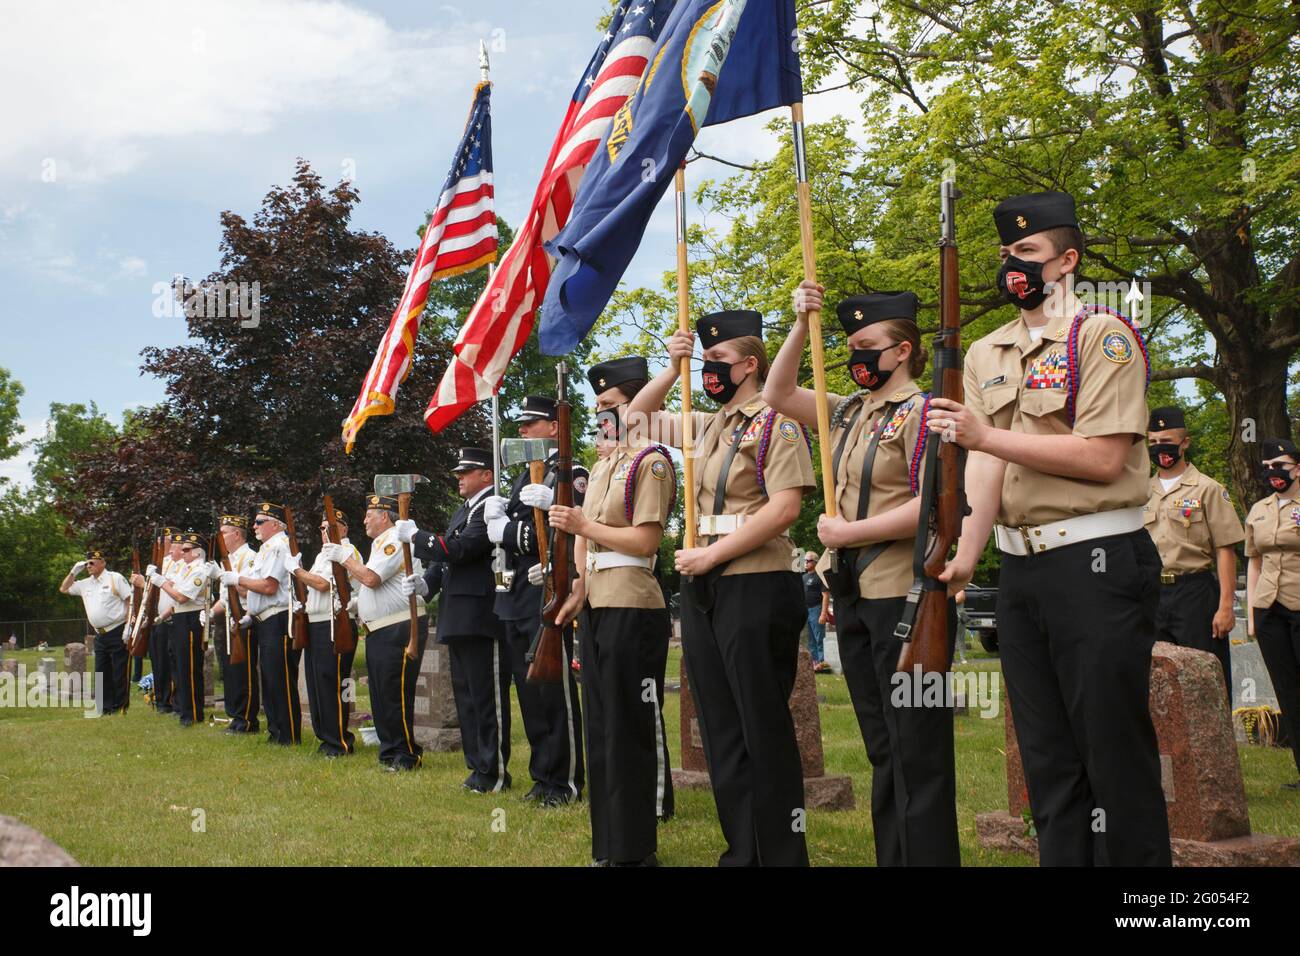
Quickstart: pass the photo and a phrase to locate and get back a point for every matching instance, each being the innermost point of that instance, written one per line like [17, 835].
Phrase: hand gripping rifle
[943, 497]
[297, 619]
[546, 659]
[345, 638]
[137, 599]
[234, 611]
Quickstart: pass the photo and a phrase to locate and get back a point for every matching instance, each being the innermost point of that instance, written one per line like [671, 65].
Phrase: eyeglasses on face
[261, 521]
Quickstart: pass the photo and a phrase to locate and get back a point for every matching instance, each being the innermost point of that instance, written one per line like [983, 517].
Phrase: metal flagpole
[814, 317]
[683, 324]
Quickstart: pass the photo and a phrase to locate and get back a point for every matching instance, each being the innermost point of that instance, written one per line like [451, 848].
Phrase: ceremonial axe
[534, 452]
[401, 486]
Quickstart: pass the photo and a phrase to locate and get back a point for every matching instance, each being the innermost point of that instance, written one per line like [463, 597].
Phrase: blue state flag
[715, 61]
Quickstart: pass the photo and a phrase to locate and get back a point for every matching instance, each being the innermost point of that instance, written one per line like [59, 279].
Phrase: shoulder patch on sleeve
[1117, 347]
[1224, 493]
[659, 469]
[789, 431]
[390, 549]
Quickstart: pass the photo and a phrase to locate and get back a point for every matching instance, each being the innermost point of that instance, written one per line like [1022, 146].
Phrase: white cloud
[124, 76]
[19, 468]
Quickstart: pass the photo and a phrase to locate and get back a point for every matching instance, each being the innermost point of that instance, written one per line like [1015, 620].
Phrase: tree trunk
[1253, 382]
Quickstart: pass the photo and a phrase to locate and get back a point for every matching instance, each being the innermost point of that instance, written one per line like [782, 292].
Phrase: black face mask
[1278, 477]
[718, 385]
[1165, 454]
[1022, 282]
[864, 367]
[609, 425]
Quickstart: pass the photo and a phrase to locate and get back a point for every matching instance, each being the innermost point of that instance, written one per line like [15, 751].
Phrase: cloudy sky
[128, 128]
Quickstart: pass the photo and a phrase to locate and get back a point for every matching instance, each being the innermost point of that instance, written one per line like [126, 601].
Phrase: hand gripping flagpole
[814, 316]
[683, 325]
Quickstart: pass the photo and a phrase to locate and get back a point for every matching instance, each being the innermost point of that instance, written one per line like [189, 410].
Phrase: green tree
[11, 390]
[71, 430]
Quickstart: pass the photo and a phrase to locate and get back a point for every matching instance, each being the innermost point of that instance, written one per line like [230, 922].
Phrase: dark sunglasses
[261, 521]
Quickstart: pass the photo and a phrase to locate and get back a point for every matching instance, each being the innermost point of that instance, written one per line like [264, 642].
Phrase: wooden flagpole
[684, 325]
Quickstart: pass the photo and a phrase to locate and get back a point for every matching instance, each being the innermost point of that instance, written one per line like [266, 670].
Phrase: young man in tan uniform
[1273, 581]
[1055, 421]
[1194, 526]
[624, 628]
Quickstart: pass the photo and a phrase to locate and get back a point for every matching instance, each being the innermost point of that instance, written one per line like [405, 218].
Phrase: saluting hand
[695, 561]
[955, 422]
[569, 520]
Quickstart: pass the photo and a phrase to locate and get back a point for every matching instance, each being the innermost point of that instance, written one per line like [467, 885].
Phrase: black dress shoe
[651, 860]
[186, 722]
[537, 793]
[600, 863]
[1291, 786]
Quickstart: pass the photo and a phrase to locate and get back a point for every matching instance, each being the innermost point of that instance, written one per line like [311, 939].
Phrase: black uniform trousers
[187, 640]
[551, 713]
[629, 786]
[1185, 617]
[278, 666]
[392, 691]
[913, 770]
[112, 670]
[1075, 629]
[1278, 631]
[328, 700]
[160, 664]
[480, 683]
[137, 668]
[740, 659]
[240, 685]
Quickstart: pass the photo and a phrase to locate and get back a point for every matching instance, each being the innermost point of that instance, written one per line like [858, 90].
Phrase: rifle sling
[920, 582]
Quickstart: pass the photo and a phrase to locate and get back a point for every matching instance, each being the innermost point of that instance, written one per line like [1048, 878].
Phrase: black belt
[1169, 578]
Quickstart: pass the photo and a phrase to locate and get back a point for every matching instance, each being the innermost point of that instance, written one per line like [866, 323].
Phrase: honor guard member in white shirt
[742, 612]
[551, 713]
[161, 652]
[878, 439]
[459, 571]
[243, 697]
[327, 670]
[386, 613]
[187, 590]
[106, 595]
[1055, 420]
[267, 610]
[1273, 581]
[1195, 528]
[624, 628]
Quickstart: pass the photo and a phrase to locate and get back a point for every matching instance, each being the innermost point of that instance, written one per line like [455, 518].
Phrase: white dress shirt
[105, 599]
[386, 604]
[269, 563]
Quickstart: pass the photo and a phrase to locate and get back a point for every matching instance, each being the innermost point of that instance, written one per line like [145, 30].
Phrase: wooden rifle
[345, 637]
[149, 609]
[234, 611]
[546, 657]
[297, 619]
[924, 625]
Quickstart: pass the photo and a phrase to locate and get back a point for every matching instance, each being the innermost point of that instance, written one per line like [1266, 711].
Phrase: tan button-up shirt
[1190, 520]
[1273, 533]
[788, 465]
[1015, 383]
[606, 502]
[890, 574]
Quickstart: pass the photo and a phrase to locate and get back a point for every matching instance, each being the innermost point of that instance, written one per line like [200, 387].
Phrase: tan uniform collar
[1016, 333]
[751, 407]
[1188, 477]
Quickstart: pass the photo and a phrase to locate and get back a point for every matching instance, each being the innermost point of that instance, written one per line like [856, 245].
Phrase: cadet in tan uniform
[1273, 581]
[624, 629]
[1194, 527]
[742, 609]
[878, 437]
[1055, 421]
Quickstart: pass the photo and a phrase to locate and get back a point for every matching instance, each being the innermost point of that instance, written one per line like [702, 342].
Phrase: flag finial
[483, 65]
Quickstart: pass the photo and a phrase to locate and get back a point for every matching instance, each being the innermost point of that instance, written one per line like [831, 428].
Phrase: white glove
[415, 584]
[406, 530]
[151, 570]
[293, 562]
[229, 579]
[157, 580]
[296, 605]
[536, 496]
[246, 620]
[497, 529]
[213, 571]
[334, 552]
[536, 574]
[494, 508]
[352, 607]
[77, 569]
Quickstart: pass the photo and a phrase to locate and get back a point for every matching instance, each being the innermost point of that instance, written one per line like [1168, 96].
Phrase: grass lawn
[128, 790]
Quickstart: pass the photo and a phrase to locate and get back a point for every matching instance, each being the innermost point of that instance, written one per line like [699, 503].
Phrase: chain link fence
[55, 632]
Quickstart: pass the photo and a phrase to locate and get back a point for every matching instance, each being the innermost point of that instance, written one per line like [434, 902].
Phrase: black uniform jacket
[459, 567]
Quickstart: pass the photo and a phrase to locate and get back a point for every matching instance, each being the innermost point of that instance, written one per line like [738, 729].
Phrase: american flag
[461, 236]
[502, 319]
